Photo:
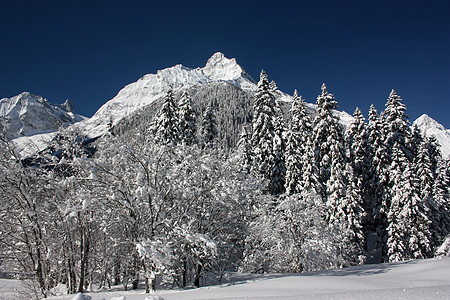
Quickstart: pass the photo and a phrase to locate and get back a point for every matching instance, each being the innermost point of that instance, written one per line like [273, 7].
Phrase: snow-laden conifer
[165, 127]
[296, 144]
[426, 166]
[328, 139]
[357, 145]
[396, 125]
[441, 192]
[278, 175]
[408, 224]
[245, 150]
[265, 138]
[208, 127]
[378, 177]
[187, 119]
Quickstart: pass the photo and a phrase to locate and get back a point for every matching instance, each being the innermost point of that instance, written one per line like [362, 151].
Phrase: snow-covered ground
[12, 290]
[416, 279]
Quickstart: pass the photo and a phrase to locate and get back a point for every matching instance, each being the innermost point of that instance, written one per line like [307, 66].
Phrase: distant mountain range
[27, 117]
[27, 114]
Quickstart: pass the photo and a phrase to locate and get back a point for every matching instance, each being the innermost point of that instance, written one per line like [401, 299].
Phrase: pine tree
[309, 183]
[209, 127]
[357, 145]
[396, 229]
[416, 213]
[416, 141]
[328, 140]
[293, 154]
[187, 119]
[426, 168]
[336, 186]
[423, 163]
[352, 213]
[165, 128]
[378, 178]
[245, 150]
[263, 134]
[357, 174]
[408, 224]
[441, 192]
[396, 125]
[278, 175]
[296, 144]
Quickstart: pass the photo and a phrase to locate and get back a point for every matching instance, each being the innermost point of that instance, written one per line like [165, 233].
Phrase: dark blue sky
[88, 50]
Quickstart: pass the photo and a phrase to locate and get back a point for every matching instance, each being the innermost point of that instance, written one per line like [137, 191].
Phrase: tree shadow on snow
[363, 270]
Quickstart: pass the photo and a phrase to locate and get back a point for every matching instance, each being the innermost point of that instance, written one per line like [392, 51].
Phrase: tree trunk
[135, 272]
[184, 275]
[197, 275]
[116, 271]
[84, 247]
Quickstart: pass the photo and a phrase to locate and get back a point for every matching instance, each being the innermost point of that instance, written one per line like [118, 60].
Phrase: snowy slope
[154, 86]
[27, 114]
[429, 127]
[415, 279]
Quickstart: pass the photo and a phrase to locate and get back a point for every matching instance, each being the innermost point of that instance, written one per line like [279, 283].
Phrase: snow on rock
[119, 298]
[429, 127]
[27, 114]
[152, 87]
[28, 145]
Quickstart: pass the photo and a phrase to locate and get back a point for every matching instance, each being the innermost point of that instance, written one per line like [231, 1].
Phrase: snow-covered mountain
[27, 114]
[431, 128]
[152, 87]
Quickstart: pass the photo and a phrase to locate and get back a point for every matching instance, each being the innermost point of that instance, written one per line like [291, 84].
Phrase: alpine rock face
[431, 128]
[27, 114]
[152, 87]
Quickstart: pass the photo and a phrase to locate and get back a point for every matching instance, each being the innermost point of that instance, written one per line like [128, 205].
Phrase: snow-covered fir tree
[245, 150]
[328, 139]
[187, 119]
[378, 193]
[396, 125]
[296, 144]
[426, 166]
[208, 127]
[356, 140]
[264, 140]
[408, 223]
[416, 141]
[309, 182]
[441, 192]
[358, 174]
[278, 175]
[165, 127]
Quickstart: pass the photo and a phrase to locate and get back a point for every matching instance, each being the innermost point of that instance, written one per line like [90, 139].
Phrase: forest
[199, 186]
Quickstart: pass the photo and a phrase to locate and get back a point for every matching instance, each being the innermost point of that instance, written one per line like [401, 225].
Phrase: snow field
[414, 279]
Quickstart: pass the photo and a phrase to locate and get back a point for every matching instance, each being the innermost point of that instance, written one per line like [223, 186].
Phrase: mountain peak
[219, 67]
[431, 128]
[425, 121]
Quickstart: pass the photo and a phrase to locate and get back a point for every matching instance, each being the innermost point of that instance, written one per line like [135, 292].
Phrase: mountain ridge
[28, 114]
[152, 87]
